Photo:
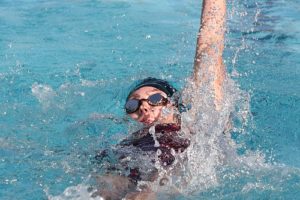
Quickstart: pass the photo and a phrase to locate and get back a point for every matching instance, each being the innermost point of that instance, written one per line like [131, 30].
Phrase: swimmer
[148, 100]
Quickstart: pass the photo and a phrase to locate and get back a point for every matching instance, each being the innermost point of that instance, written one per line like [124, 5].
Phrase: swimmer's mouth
[147, 121]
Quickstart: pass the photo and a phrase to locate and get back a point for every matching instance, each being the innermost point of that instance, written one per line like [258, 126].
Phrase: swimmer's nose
[145, 107]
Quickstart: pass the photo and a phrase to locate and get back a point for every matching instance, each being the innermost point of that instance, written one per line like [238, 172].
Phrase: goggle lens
[155, 99]
[132, 105]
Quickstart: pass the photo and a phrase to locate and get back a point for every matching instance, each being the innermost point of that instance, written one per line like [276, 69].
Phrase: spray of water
[210, 142]
[78, 192]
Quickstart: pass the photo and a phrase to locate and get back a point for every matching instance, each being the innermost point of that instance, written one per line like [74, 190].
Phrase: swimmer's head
[147, 100]
[160, 84]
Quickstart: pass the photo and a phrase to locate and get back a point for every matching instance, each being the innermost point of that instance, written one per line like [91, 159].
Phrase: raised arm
[208, 63]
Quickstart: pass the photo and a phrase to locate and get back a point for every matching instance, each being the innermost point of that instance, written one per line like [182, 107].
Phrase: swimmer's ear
[171, 104]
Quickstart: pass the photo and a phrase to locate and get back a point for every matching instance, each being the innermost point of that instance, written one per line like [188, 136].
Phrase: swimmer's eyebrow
[154, 90]
[135, 96]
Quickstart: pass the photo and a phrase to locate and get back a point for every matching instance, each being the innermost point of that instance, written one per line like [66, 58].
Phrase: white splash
[79, 192]
[211, 146]
[44, 94]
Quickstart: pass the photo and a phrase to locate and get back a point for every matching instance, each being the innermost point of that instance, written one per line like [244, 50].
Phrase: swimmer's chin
[148, 122]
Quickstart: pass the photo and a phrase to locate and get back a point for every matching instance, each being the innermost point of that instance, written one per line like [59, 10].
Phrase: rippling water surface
[65, 68]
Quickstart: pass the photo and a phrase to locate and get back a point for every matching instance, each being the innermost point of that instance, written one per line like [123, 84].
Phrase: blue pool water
[65, 68]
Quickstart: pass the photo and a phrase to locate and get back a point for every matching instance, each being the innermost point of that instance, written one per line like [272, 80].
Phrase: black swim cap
[156, 83]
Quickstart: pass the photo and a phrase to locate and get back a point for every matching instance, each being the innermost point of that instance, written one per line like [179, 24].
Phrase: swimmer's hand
[114, 187]
[143, 195]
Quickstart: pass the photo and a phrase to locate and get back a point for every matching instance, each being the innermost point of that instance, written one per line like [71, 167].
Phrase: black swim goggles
[132, 105]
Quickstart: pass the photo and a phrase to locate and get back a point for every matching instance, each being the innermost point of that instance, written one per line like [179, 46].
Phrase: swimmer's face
[148, 114]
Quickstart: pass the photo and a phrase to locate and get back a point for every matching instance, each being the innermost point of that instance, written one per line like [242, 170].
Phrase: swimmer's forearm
[210, 45]
[210, 39]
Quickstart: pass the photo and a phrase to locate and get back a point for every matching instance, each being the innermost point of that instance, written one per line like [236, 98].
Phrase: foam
[78, 192]
[44, 93]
